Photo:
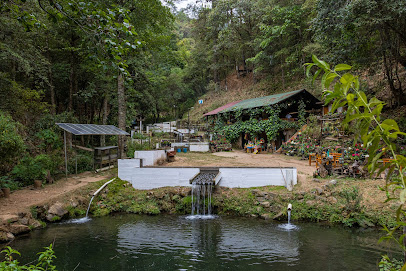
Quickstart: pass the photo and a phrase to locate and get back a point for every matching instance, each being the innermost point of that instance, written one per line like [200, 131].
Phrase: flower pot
[37, 184]
[6, 192]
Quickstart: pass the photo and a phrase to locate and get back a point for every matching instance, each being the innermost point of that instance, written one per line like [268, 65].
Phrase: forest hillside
[111, 62]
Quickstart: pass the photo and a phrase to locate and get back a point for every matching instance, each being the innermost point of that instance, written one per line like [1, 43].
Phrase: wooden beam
[83, 148]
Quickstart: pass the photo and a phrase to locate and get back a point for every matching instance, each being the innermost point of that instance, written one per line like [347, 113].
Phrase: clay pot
[37, 184]
[6, 192]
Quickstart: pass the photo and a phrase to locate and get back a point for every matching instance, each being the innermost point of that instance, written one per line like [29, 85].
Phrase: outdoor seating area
[256, 146]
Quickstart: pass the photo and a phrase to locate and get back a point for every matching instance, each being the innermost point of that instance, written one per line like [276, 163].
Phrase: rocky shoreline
[329, 203]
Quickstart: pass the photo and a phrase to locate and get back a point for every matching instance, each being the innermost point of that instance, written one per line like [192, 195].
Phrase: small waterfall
[87, 218]
[88, 207]
[202, 189]
[288, 226]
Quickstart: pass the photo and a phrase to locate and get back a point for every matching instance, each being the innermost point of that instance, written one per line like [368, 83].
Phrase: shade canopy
[91, 129]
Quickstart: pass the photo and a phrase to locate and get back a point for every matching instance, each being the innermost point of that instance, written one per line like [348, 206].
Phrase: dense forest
[107, 62]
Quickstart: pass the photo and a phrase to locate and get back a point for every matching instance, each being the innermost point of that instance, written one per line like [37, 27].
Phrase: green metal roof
[262, 101]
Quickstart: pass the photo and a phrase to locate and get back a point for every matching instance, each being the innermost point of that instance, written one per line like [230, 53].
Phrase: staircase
[293, 137]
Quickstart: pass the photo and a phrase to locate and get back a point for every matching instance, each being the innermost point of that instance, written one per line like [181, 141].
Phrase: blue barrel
[178, 150]
[185, 150]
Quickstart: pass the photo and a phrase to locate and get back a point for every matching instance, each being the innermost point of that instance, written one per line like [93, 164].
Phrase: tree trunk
[52, 91]
[121, 114]
[105, 115]
[283, 75]
[51, 82]
[71, 83]
[391, 46]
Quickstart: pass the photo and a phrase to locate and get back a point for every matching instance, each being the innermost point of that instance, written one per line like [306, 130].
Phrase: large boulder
[34, 223]
[6, 236]
[24, 218]
[56, 212]
[17, 229]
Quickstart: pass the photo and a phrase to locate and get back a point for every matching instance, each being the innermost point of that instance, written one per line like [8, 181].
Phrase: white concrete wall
[179, 144]
[186, 131]
[150, 178]
[255, 177]
[150, 157]
[199, 146]
[129, 163]
[126, 167]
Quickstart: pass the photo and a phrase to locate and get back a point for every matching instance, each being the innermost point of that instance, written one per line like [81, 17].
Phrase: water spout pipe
[103, 186]
[289, 207]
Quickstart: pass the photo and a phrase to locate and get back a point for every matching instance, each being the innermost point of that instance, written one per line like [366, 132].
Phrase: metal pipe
[289, 207]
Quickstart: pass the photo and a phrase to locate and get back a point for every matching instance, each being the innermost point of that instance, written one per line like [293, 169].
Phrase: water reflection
[220, 239]
[129, 242]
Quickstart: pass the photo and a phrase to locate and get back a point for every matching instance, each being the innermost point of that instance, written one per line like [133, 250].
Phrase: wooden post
[66, 157]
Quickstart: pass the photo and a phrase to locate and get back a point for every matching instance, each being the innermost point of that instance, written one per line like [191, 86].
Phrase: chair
[336, 157]
[311, 159]
[318, 160]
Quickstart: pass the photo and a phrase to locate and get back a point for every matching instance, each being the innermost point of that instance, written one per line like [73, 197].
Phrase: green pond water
[131, 242]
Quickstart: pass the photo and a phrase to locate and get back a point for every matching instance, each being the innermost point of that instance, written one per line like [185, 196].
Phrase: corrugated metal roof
[216, 111]
[262, 101]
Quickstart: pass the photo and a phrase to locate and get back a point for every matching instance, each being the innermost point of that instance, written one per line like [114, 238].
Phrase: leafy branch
[343, 90]
[45, 260]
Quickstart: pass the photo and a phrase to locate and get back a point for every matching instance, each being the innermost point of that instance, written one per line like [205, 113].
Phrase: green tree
[363, 32]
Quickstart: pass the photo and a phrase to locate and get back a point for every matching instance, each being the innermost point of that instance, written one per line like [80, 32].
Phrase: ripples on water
[129, 242]
[78, 220]
[288, 227]
[194, 217]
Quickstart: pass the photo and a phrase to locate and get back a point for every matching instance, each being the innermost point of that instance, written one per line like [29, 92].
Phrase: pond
[131, 242]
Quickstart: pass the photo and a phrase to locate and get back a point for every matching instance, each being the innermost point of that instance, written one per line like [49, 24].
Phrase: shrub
[7, 182]
[11, 143]
[84, 163]
[30, 169]
[352, 199]
[49, 140]
[27, 171]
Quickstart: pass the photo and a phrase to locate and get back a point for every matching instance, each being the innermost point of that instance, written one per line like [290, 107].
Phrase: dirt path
[21, 200]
